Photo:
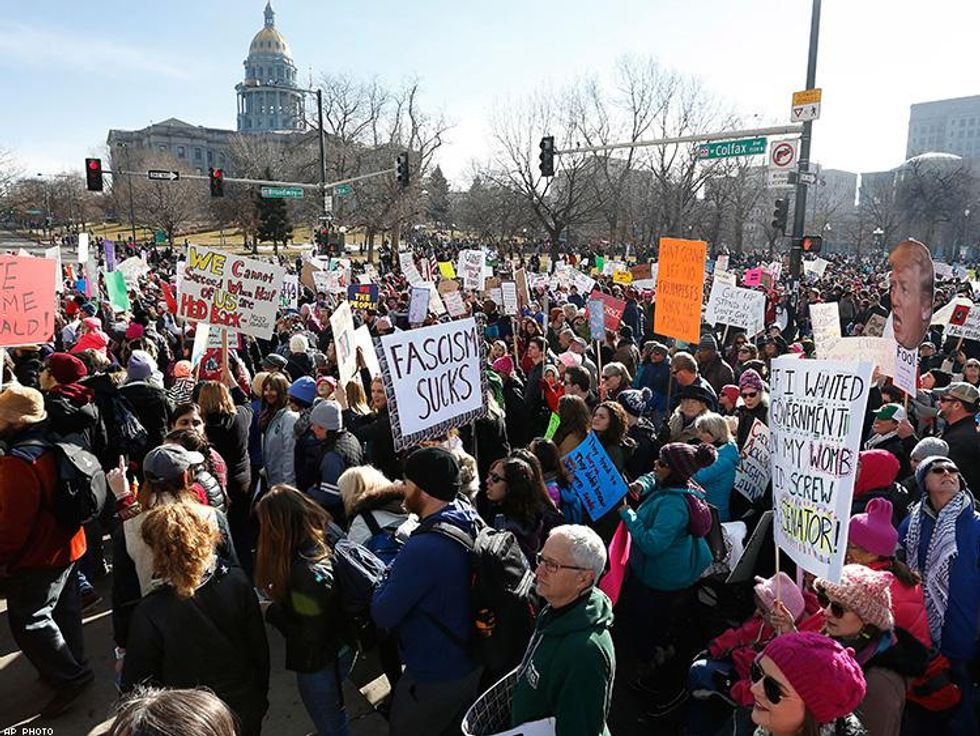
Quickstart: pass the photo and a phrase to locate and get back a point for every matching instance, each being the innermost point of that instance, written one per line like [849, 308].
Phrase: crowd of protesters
[232, 479]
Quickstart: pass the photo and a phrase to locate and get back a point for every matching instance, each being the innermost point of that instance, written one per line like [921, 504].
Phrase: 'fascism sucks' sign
[816, 416]
[433, 378]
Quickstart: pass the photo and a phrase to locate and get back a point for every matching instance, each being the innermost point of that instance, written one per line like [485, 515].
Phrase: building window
[180, 151]
[197, 154]
[210, 157]
[199, 170]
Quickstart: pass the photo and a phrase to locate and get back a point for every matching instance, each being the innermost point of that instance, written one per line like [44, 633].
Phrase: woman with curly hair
[610, 425]
[201, 624]
[293, 568]
[519, 503]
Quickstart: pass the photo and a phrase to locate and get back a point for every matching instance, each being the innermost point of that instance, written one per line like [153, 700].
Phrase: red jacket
[908, 606]
[30, 536]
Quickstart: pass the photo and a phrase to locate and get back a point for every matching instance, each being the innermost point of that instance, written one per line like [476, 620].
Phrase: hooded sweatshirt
[568, 669]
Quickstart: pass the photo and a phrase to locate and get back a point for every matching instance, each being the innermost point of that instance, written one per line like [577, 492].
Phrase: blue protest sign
[594, 477]
[597, 319]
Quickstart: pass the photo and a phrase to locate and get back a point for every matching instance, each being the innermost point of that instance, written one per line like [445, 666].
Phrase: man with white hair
[568, 670]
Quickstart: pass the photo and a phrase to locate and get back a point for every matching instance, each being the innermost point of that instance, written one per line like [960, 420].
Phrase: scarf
[939, 557]
[877, 439]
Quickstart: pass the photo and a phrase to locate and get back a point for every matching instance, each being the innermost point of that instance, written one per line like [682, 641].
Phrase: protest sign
[595, 479]
[363, 296]
[436, 306]
[912, 286]
[877, 350]
[906, 369]
[825, 319]
[289, 297]
[964, 321]
[523, 292]
[27, 301]
[776, 269]
[814, 418]
[115, 285]
[109, 248]
[582, 281]
[342, 325]
[508, 291]
[641, 271]
[364, 343]
[752, 277]
[755, 466]
[454, 303]
[433, 378]
[609, 268]
[237, 293]
[680, 288]
[418, 307]
[597, 319]
[471, 265]
[323, 281]
[943, 270]
[622, 277]
[722, 263]
[816, 267]
[612, 307]
[875, 326]
[960, 308]
[135, 267]
[446, 270]
[725, 277]
[54, 253]
[553, 423]
[730, 305]
[91, 279]
[83, 247]
[202, 338]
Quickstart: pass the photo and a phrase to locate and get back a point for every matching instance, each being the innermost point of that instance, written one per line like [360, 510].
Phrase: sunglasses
[946, 399]
[494, 478]
[750, 394]
[772, 688]
[836, 609]
[944, 469]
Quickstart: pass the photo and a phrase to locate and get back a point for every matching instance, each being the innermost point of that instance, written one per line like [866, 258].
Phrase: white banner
[54, 253]
[239, 294]
[731, 305]
[342, 325]
[825, 319]
[83, 247]
[434, 379]
[815, 419]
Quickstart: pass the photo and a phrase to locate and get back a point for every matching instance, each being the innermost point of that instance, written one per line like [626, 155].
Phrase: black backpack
[81, 489]
[503, 602]
[357, 572]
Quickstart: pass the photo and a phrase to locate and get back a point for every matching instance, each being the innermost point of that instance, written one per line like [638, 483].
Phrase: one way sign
[806, 105]
[160, 174]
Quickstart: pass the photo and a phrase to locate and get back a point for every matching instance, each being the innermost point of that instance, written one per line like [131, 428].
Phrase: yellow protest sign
[447, 270]
[623, 277]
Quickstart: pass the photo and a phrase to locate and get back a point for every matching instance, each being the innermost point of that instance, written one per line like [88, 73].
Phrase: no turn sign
[783, 158]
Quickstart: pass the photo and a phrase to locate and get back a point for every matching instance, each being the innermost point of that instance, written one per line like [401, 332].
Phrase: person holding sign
[668, 555]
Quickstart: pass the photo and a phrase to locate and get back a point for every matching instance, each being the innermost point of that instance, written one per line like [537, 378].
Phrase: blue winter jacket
[664, 553]
[962, 622]
[656, 377]
[718, 478]
[430, 578]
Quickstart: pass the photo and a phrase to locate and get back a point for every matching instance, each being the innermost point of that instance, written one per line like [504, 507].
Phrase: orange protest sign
[27, 301]
[680, 288]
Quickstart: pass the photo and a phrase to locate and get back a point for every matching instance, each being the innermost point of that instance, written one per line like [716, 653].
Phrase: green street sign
[281, 192]
[727, 149]
[342, 190]
[159, 237]
[35, 212]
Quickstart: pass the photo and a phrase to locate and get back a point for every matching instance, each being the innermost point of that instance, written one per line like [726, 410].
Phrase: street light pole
[799, 210]
[132, 211]
[323, 158]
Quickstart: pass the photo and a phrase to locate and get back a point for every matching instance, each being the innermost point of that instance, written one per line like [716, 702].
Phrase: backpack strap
[451, 531]
[372, 523]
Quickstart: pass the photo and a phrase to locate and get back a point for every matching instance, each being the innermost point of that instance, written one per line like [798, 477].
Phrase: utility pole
[323, 159]
[799, 210]
[132, 211]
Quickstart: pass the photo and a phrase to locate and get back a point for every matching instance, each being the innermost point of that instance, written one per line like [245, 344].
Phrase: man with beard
[424, 599]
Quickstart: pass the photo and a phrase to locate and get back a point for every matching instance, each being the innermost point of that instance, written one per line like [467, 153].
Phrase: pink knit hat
[504, 365]
[863, 591]
[789, 594]
[873, 530]
[750, 379]
[824, 673]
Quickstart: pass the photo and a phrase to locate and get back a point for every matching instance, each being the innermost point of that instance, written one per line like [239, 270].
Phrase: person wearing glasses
[940, 541]
[958, 405]
[755, 405]
[614, 379]
[858, 615]
[684, 372]
[568, 669]
[803, 682]
[519, 503]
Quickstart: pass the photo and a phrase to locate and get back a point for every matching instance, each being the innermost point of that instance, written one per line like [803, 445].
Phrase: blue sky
[71, 70]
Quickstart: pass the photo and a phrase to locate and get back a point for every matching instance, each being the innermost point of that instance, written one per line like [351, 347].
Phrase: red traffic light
[218, 173]
[94, 165]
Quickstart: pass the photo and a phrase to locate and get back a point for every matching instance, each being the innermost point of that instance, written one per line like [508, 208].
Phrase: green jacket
[569, 668]
[664, 554]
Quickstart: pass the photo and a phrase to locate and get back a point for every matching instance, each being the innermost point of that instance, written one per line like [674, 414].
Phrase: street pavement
[22, 694]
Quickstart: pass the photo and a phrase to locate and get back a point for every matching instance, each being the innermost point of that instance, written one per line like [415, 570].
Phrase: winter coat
[628, 354]
[908, 606]
[72, 410]
[898, 447]
[898, 658]
[675, 400]
[385, 505]
[640, 461]
[718, 479]
[153, 409]
[310, 618]
[376, 436]
[278, 446]
[338, 452]
[848, 726]
[717, 373]
[964, 449]
[214, 639]
[516, 415]
[30, 536]
[959, 632]
[664, 554]
[229, 435]
[430, 579]
[746, 418]
[654, 376]
[568, 669]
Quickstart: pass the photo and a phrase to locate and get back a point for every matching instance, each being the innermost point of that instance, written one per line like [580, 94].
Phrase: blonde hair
[357, 481]
[215, 399]
[714, 424]
[183, 545]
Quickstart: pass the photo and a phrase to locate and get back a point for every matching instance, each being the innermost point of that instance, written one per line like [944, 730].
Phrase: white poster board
[54, 253]
[289, 298]
[342, 325]
[418, 307]
[755, 467]
[825, 320]
[815, 419]
[364, 343]
[83, 247]
[732, 305]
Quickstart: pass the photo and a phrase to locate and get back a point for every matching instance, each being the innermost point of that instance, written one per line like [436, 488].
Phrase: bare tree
[165, 205]
[932, 195]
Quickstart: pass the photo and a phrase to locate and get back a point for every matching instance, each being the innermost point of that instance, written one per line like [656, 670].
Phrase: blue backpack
[357, 572]
[383, 542]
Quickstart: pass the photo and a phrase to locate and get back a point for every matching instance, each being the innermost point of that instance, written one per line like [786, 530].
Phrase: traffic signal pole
[799, 209]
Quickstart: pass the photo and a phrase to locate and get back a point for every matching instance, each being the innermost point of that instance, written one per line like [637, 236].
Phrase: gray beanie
[929, 446]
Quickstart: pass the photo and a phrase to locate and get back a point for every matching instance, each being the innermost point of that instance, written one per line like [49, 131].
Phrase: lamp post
[879, 236]
[129, 180]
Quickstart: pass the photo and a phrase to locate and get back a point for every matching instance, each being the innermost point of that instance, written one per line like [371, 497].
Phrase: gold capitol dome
[269, 40]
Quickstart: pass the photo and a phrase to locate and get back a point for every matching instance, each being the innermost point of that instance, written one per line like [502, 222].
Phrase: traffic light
[401, 168]
[217, 178]
[812, 243]
[93, 174]
[547, 156]
[779, 215]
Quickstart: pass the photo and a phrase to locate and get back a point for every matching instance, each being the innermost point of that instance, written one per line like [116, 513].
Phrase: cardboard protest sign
[109, 248]
[508, 291]
[641, 271]
[342, 325]
[83, 247]
[943, 270]
[754, 468]
[875, 326]
[418, 307]
[595, 479]
[363, 296]
[471, 265]
[725, 277]
[237, 293]
[609, 268]
[115, 285]
[434, 379]
[54, 253]
[523, 292]
[436, 306]
[289, 297]
[553, 423]
[135, 267]
[612, 307]
[825, 319]
[912, 280]
[202, 337]
[964, 321]
[730, 305]
[27, 301]
[364, 343]
[876, 350]
[680, 288]
[91, 279]
[960, 306]
[776, 270]
[752, 277]
[906, 370]
[597, 319]
[816, 436]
